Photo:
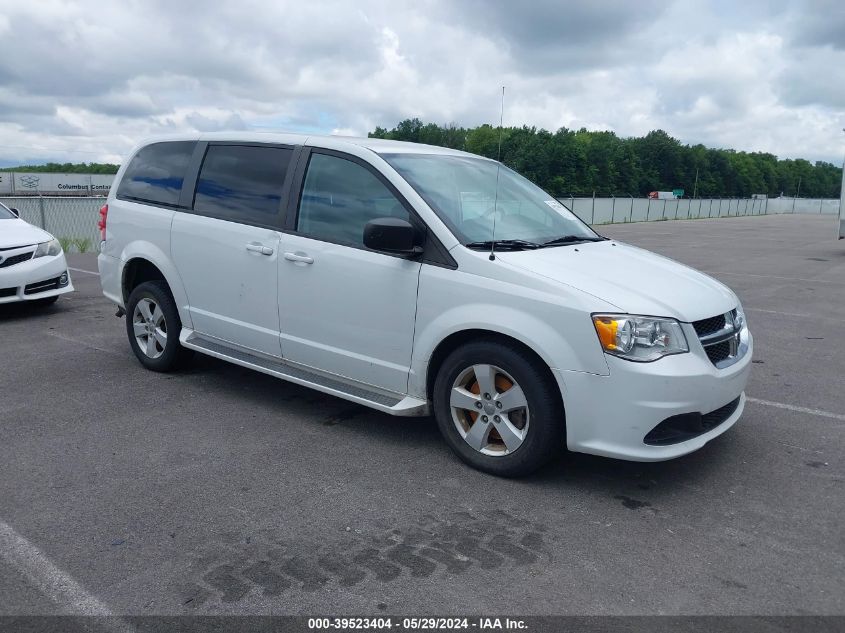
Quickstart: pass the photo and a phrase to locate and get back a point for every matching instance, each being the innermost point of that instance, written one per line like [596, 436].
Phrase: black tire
[545, 437]
[173, 355]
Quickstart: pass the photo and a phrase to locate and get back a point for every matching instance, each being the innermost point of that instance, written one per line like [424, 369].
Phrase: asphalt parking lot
[220, 490]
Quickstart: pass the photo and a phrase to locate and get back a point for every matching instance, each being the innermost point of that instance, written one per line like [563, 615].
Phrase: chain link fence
[619, 209]
[74, 220]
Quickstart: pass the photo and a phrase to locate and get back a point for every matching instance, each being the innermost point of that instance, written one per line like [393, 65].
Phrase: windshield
[463, 192]
[5, 214]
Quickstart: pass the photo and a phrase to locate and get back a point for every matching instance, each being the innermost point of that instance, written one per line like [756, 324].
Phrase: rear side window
[156, 173]
[242, 183]
[339, 197]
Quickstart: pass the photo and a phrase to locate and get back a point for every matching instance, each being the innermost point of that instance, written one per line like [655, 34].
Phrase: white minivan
[420, 280]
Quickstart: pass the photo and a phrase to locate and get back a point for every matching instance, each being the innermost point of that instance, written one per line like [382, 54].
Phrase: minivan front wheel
[498, 409]
[153, 326]
[489, 410]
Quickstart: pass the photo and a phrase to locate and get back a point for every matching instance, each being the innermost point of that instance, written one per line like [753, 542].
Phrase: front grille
[8, 292]
[708, 326]
[718, 352]
[42, 286]
[720, 338]
[15, 259]
[685, 426]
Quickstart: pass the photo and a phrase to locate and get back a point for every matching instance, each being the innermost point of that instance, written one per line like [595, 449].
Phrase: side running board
[394, 404]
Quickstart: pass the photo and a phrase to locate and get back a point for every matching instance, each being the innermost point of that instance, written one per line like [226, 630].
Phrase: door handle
[300, 259]
[259, 248]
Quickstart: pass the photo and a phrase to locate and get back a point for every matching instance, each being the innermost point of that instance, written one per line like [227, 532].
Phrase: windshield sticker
[554, 204]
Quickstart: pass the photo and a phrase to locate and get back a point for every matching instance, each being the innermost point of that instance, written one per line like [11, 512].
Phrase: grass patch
[83, 244]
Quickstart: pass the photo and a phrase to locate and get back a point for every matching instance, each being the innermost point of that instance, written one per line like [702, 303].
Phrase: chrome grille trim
[11, 260]
[17, 248]
[724, 346]
[724, 334]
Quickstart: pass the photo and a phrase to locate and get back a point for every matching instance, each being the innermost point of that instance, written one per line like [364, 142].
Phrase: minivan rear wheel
[153, 326]
[498, 408]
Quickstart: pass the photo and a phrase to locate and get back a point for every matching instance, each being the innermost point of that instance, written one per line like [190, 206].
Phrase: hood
[16, 232]
[635, 280]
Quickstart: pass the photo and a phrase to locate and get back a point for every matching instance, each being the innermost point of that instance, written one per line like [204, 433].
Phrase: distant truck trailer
[54, 184]
[664, 195]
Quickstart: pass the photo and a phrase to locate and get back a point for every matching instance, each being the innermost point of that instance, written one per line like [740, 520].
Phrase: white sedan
[32, 263]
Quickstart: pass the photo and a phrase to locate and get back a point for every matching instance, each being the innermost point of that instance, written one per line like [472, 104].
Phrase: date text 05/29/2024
[413, 624]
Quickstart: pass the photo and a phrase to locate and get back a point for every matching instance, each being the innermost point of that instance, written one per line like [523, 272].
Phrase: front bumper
[28, 281]
[611, 415]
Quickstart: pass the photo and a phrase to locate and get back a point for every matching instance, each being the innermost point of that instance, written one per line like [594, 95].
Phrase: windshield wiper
[504, 245]
[572, 239]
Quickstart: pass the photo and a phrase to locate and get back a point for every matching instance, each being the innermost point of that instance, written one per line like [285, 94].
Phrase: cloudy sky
[84, 80]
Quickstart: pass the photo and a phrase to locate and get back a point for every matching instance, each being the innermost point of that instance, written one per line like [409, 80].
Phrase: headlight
[53, 247]
[639, 338]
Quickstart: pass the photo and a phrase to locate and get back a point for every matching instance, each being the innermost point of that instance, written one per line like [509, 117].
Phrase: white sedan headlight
[53, 247]
[639, 338]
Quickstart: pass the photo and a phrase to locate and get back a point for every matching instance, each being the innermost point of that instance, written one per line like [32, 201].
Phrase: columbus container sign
[28, 183]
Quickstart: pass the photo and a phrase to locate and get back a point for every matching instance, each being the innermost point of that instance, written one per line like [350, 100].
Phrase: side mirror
[392, 235]
[15, 211]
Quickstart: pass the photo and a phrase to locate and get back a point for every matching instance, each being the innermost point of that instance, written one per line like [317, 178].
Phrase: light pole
[842, 201]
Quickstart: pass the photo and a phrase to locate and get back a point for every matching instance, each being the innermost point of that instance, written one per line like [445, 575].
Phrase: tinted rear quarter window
[156, 173]
[242, 182]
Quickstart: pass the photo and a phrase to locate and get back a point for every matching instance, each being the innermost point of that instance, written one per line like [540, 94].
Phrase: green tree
[68, 168]
[567, 162]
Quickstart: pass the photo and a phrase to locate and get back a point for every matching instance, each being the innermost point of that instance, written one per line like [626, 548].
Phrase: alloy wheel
[489, 409]
[149, 327]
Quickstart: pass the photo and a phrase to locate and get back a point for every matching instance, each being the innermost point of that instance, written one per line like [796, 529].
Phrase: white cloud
[84, 80]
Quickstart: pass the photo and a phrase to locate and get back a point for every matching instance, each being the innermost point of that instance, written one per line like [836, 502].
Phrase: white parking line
[51, 581]
[799, 315]
[79, 270]
[741, 274]
[70, 339]
[794, 314]
[792, 407]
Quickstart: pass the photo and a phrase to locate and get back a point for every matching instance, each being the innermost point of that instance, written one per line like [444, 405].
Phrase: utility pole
[695, 186]
[842, 202]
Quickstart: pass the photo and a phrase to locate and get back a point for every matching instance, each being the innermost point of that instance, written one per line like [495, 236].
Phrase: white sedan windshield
[469, 193]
